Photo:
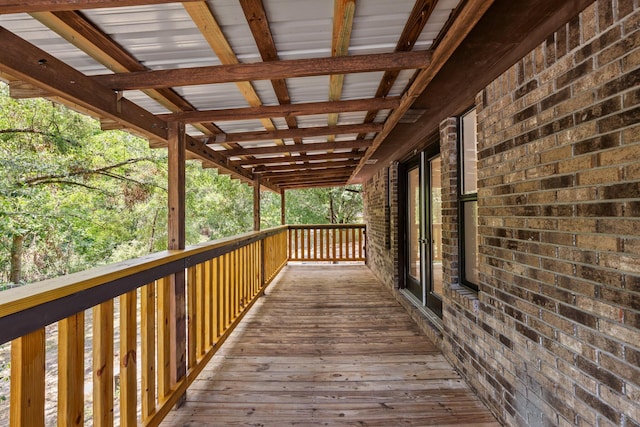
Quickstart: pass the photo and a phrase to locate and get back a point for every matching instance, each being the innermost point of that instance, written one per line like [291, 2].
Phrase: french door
[423, 230]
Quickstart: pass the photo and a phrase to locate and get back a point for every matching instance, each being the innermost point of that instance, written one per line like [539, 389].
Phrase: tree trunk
[17, 248]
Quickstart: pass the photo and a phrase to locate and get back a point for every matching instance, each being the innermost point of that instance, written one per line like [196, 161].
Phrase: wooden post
[283, 211]
[177, 182]
[256, 203]
[177, 309]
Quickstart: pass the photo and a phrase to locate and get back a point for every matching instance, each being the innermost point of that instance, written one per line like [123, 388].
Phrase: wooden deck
[329, 346]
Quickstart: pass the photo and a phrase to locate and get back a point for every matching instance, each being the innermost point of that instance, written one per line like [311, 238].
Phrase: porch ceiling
[301, 92]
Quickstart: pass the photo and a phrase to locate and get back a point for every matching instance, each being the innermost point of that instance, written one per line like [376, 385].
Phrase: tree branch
[85, 172]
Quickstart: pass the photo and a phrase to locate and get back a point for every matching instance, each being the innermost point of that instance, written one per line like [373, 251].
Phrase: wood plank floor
[329, 346]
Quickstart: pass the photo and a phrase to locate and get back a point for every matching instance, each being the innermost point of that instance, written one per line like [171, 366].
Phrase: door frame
[421, 161]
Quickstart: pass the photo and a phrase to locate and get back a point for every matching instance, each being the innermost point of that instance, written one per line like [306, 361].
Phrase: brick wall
[381, 217]
[553, 335]
[557, 333]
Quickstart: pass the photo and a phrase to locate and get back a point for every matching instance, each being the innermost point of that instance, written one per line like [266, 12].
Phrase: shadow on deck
[328, 345]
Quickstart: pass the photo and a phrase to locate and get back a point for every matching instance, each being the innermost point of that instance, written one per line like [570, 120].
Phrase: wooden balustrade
[331, 242]
[122, 323]
[133, 365]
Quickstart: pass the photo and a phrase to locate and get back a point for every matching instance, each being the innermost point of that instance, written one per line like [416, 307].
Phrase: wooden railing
[132, 336]
[165, 333]
[332, 242]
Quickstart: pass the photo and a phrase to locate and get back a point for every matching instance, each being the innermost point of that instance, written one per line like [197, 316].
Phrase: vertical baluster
[164, 342]
[192, 315]
[128, 378]
[208, 333]
[353, 244]
[103, 364]
[148, 347]
[200, 287]
[27, 380]
[315, 244]
[212, 298]
[334, 256]
[71, 370]
[220, 301]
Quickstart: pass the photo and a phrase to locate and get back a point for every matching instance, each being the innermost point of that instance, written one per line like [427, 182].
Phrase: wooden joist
[302, 109]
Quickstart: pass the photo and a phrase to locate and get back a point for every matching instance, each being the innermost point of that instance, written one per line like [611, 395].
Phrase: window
[468, 207]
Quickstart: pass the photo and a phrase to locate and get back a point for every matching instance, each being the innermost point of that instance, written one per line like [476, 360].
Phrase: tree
[73, 196]
[335, 205]
[62, 186]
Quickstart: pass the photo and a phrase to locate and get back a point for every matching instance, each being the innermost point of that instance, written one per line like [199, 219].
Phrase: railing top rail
[315, 226]
[114, 279]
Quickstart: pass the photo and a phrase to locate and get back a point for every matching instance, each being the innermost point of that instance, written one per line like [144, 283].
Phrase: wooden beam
[233, 73]
[203, 17]
[22, 90]
[307, 132]
[259, 24]
[13, 6]
[318, 184]
[468, 17]
[305, 166]
[419, 16]
[77, 30]
[291, 110]
[343, 12]
[301, 158]
[200, 150]
[297, 148]
[34, 66]
[309, 175]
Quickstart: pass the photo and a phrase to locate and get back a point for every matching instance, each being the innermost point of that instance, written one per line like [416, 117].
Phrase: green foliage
[337, 205]
[77, 197]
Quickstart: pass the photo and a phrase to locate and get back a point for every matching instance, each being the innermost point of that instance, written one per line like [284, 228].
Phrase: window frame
[465, 200]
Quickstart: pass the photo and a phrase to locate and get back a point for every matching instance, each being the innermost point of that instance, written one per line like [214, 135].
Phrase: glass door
[423, 231]
[414, 232]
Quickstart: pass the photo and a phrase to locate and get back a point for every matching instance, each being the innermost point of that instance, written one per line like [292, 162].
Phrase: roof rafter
[305, 166]
[233, 73]
[204, 19]
[13, 6]
[34, 66]
[311, 108]
[418, 18]
[302, 158]
[297, 133]
[464, 22]
[77, 30]
[259, 25]
[295, 175]
[337, 183]
[297, 148]
[343, 13]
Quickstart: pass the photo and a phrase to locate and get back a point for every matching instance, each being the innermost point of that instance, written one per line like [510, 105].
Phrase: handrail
[168, 305]
[27, 308]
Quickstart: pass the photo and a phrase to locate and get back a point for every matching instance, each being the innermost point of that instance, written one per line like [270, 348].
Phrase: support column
[256, 204]
[177, 182]
[283, 210]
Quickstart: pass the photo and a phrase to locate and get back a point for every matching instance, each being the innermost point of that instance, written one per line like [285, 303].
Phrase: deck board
[329, 346]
